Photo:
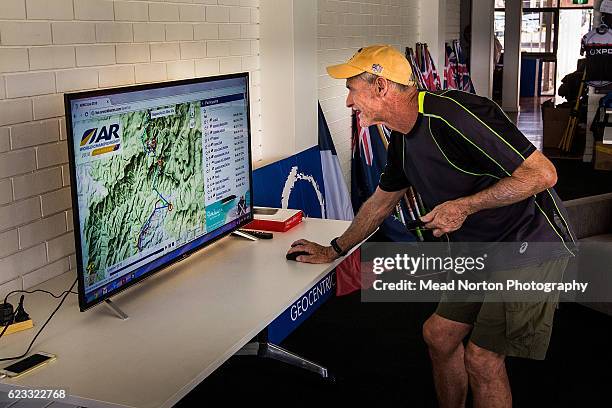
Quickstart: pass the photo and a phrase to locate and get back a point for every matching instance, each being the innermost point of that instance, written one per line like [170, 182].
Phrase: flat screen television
[158, 172]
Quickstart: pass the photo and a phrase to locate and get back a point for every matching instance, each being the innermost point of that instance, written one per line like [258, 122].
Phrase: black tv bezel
[68, 98]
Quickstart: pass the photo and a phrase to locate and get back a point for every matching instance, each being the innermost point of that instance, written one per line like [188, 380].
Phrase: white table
[185, 321]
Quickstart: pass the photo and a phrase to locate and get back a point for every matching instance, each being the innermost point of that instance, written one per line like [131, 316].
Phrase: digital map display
[157, 174]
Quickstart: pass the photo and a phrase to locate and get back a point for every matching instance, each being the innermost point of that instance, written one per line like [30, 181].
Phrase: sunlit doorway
[573, 23]
[550, 39]
[551, 33]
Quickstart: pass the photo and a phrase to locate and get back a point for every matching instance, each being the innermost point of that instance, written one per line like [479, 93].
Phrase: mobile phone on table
[28, 364]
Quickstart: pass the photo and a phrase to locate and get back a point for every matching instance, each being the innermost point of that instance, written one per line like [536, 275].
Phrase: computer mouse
[293, 255]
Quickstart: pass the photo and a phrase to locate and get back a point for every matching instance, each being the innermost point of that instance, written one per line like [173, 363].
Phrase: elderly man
[484, 182]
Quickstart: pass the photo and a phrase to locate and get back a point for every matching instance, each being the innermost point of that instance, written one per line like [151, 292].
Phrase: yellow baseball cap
[381, 60]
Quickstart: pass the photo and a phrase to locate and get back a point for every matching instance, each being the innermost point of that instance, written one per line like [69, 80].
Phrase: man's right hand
[319, 254]
[371, 214]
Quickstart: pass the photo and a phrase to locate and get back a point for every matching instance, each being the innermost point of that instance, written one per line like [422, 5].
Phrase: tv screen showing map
[158, 172]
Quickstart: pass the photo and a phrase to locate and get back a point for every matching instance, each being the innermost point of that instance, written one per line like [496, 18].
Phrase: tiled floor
[529, 119]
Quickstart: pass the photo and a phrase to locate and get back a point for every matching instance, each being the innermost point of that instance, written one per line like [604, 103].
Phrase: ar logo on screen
[102, 140]
[107, 133]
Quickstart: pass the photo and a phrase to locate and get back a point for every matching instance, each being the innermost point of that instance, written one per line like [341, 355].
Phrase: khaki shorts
[513, 328]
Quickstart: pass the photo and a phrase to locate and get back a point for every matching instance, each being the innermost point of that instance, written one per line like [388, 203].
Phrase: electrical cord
[65, 295]
[30, 292]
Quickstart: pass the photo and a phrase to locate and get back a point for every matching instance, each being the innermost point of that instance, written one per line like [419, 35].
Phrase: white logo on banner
[290, 183]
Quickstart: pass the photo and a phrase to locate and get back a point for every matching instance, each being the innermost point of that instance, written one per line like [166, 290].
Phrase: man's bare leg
[488, 378]
[444, 339]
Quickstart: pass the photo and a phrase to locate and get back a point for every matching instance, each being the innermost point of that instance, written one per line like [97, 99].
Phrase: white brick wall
[48, 47]
[73, 32]
[6, 194]
[92, 55]
[165, 52]
[116, 75]
[131, 11]
[13, 59]
[206, 31]
[10, 9]
[93, 10]
[34, 133]
[49, 9]
[130, 53]
[25, 33]
[344, 27]
[192, 12]
[149, 32]
[218, 48]
[48, 106]
[51, 57]
[30, 84]
[179, 31]
[216, 14]
[163, 12]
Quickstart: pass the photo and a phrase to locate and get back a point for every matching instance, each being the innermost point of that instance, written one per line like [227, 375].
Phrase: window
[538, 32]
[539, 3]
[578, 3]
[551, 31]
[540, 25]
[500, 26]
[500, 4]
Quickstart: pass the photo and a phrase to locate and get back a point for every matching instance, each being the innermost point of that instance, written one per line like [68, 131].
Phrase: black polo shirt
[462, 144]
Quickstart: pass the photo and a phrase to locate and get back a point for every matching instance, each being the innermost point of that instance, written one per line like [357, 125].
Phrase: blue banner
[302, 308]
[367, 164]
[295, 182]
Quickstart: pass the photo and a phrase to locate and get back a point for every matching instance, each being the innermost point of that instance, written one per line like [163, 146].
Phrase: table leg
[274, 352]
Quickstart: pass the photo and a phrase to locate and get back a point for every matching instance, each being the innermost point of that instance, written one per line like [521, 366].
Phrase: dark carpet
[379, 359]
[577, 179]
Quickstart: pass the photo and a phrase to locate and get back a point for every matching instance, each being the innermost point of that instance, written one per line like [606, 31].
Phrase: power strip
[17, 327]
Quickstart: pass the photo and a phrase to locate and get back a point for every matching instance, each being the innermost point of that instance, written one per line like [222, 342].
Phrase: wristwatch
[334, 244]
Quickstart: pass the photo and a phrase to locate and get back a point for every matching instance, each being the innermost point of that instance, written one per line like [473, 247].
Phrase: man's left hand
[446, 217]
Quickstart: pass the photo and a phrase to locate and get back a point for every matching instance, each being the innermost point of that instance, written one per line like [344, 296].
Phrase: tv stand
[262, 346]
[116, 310]
[263, 349]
